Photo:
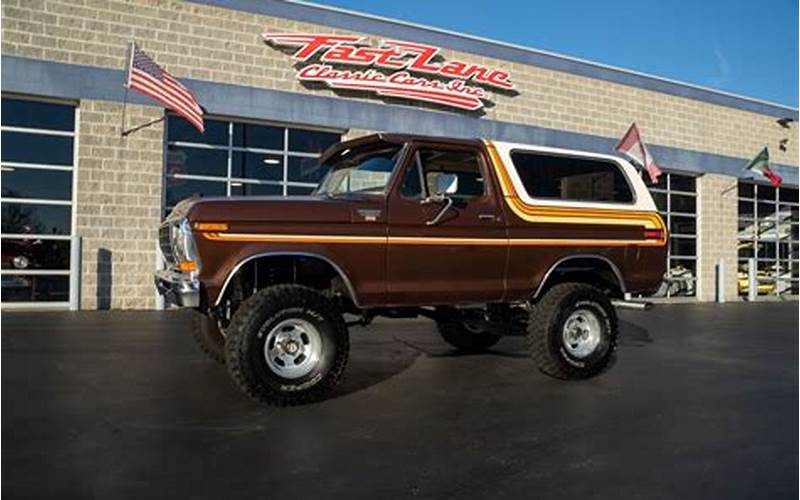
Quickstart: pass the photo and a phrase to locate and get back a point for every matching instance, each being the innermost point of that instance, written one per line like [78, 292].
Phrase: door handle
[489, 217]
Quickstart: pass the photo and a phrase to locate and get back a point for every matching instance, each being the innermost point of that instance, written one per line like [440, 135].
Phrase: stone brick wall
[716, 234]
[118, 205]
[223, 45]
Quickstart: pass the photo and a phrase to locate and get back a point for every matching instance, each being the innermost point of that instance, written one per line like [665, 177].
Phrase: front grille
[165, 242]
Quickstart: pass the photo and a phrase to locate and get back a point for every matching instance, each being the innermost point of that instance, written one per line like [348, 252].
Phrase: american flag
[150, 79]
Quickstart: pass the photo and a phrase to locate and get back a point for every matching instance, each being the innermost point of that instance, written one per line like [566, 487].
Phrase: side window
[464, 164]
[573, 179]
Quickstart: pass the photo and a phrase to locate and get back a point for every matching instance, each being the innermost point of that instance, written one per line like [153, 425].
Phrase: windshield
[364, 169]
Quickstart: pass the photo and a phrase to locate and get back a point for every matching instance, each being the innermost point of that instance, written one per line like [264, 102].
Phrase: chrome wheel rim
[293, 348]
[582, 333]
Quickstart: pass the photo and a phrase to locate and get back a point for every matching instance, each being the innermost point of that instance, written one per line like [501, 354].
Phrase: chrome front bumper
[178, 288]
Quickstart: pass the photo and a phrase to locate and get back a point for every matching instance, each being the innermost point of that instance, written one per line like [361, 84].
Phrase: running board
[630, 304]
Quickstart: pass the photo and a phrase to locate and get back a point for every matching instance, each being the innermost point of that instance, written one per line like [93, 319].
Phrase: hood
[313, 209]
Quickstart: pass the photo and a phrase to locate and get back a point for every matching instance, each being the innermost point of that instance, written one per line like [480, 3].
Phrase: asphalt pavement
[701, 402]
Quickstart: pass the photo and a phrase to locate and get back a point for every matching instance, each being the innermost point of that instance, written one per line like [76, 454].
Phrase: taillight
[654, 234]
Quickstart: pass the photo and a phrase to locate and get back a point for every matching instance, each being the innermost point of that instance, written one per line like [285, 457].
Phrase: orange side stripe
[416, 240]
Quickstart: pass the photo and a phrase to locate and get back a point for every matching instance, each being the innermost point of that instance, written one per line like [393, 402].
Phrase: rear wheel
[572, 331]
[287, 345]
[462, 334]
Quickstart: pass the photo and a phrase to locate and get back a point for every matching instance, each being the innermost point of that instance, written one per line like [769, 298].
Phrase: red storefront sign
[394, 69]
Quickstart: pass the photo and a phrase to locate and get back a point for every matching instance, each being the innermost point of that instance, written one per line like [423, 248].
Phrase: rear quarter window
[571, 178]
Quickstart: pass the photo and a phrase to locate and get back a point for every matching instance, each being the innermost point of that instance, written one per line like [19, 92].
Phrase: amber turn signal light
[210, 226]
[187, 266]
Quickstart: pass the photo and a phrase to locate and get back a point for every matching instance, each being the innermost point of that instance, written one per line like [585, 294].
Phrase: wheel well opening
[268, 270]
[595, 271]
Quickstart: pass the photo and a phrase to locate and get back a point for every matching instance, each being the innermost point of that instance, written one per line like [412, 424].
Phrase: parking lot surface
[702, 402]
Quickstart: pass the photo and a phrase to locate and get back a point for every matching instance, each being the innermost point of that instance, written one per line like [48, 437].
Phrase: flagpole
[127, 85]
[125, 133]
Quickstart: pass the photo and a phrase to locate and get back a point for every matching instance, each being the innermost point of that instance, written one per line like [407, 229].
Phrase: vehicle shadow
[634, 335]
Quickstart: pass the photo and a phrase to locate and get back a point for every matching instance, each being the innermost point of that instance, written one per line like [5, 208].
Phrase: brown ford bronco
[485, 238]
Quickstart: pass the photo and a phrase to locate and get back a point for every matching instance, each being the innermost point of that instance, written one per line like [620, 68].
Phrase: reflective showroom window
[38, 151]
[241, 158]
[768, 233]
[675, 196]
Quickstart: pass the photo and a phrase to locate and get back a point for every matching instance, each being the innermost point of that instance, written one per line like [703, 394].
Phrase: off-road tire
[453, 331]
[545, 331]
[208, 336]
[248, 331]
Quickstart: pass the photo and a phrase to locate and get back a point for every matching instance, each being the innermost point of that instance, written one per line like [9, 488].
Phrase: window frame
[756, 241]
[564, 201]
[229, 180]
[73, 168]
[667, 214]
[416, 147]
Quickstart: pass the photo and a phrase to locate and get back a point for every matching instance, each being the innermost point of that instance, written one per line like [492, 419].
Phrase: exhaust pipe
[630, 304]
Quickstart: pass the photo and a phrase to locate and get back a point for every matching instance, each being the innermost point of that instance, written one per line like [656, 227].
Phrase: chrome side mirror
[446, 184]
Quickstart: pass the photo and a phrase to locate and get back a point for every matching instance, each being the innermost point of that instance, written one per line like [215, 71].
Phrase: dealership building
[280, 81]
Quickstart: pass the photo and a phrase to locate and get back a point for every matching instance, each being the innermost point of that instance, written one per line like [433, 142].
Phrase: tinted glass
[311, 141]
[35, 254]
[306, 170]
[682, 183]
[265, 167]
[660, 199]
[245, 189]
[765, 192]
[248, 135]
[179, 189]
[23, 218]
[684, 204]
[36, 148]
[41, 115]
[463, 164]
[411, 186]
[576, 179]
[765, 210]
[299, 190]
[178, 129]
[746, 229]
[746, 209]
[682, 246]
[30, 183]
[197, 161]
[20, 288]
[788, 194]
[747, 190]
[682, 225]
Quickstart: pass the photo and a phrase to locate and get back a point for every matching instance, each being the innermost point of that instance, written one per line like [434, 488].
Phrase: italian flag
[760, 165]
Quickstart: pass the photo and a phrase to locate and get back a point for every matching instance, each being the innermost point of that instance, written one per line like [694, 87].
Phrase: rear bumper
[178, 288]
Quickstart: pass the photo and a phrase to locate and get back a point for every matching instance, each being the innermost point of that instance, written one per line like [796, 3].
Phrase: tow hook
[632, 304]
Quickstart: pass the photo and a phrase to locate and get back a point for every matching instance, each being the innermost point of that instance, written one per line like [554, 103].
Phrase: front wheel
[209, 336]
[286, 345]
[572, 331]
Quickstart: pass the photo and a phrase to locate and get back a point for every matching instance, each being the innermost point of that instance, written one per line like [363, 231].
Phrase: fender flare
[560, 261]
[350, 289]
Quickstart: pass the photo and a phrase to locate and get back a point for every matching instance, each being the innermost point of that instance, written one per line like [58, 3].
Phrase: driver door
[462, 256]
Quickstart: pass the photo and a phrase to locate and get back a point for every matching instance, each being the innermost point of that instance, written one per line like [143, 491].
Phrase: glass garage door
[38, 156]
[768, 234]
[675, 196]
[241, 158]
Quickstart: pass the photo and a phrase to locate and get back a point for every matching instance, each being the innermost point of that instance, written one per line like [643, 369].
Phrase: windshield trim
[401, 155]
